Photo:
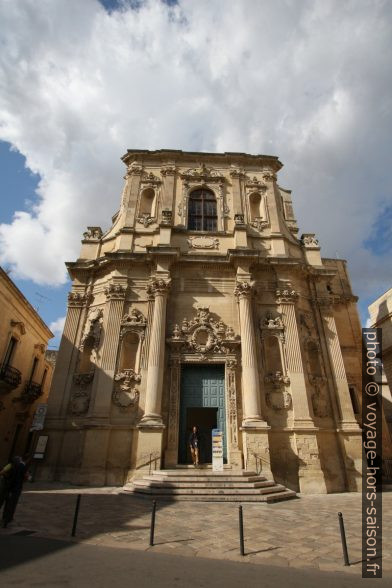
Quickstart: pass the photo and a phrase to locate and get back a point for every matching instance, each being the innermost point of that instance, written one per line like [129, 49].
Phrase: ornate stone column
[152, 411]
[286, 298]
[235, 457]
[255, 429]
[171, 454]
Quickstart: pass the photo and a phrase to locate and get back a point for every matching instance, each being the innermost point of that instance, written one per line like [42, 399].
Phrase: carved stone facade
[244, 300]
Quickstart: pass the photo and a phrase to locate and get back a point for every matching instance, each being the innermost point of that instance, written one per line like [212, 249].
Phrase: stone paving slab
[301, 533]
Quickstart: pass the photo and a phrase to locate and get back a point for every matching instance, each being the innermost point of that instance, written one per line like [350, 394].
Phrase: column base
[254, 423]
[151, 421]
[306, 423]
[349, 427]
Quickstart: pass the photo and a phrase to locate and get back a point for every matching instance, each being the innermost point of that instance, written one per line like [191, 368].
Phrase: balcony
[10, 378]
[31, 392]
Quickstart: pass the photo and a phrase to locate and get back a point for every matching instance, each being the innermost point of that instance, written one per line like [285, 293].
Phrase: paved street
[49, 562]
[297, 535]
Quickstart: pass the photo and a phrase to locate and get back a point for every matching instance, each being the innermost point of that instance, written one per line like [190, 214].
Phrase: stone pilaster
[171, 454]
[103, 387]
[286, 298]
[311, 477]
[152, 411]
[77, 303]
[347, 417]
[235, 456]
[236, 176]
[255, 429]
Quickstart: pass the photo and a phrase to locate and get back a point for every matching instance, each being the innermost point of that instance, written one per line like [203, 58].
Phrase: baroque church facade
[202, 305]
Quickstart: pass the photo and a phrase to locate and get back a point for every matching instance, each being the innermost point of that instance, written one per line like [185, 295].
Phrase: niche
[255, 206]
[129, 354]
[86, 363]
[147, 203]
[314, 359]
[273, 358]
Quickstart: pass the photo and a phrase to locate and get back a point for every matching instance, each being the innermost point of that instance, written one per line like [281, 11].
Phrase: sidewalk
[301, 533]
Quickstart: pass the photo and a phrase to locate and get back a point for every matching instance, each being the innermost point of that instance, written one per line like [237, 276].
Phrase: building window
[354, 399]
[202, 215]
[10, 352]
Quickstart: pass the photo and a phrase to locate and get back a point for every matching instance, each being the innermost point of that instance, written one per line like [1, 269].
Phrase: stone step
[205, 479]
[201, 484]
[269, 498]
[202, 472]
[210, 491]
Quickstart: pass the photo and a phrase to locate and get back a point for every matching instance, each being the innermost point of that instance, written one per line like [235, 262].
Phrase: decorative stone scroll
[92, 328]
[243, 289]
[202, 173]
[271, 322]
[203, 242]
[134, 169]
[255, 185]
[114, 291]
[231, 366]
[168, 170]
[269, 176]
[146, 219]
[79, 403]
[279, 399]
[83, 379]
[277, 379]
[239, 219]
[286, 295]
[158, 286]
[309, 241]
[126, 399]
[93, 234]
[203, 334]
[20, 325]
[134, 321]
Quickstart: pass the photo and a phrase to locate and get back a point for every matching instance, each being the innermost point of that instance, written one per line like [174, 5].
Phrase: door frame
[233, 405]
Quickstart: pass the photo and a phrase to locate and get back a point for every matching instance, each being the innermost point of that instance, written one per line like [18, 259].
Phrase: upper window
[202, 214]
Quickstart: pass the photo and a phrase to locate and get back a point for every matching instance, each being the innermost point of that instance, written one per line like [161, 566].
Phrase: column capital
[158, 287]
[168, 170]
[78, 299]
[114, 291]
[243, 290]
[286, 295]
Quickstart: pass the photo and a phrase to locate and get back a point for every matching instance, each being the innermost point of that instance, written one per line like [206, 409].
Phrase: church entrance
[202, 403]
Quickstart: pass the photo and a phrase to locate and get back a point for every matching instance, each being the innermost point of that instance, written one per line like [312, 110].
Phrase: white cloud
[308, 81]
[57, 327]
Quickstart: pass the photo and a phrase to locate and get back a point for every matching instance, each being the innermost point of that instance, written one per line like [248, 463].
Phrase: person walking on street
[194, 444]
[15, 475]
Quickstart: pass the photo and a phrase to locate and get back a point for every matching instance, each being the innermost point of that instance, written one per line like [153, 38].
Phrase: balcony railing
[10, 378]
[31, 392]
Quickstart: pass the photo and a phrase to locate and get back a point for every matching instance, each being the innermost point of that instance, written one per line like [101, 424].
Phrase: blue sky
[309, 82]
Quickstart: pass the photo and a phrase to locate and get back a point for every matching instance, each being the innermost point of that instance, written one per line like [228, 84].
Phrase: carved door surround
[203, 340]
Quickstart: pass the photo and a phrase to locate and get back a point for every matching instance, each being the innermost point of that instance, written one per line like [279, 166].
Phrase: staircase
[204, 485]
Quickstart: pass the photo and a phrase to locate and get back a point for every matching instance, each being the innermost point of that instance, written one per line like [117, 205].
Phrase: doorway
[202, 403]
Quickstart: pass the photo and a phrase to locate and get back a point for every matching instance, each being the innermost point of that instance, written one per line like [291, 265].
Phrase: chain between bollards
[343, 537]
[75, 521]
[152, 528]
[241, 525]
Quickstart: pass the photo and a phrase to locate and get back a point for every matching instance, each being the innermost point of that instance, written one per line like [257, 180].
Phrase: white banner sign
[39, 418]
[217, 450]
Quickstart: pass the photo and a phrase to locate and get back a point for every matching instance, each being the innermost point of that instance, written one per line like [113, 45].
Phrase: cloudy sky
[82, 81]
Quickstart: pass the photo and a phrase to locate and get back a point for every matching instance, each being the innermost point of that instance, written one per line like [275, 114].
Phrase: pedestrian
[15, 475]
[194, 444]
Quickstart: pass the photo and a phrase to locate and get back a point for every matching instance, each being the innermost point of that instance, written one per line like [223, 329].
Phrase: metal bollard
[75, 521]
[343, 537]
[152, 528]
[241, 525]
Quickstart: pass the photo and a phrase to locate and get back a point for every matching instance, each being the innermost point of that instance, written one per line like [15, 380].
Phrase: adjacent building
[202, 305]
[26, 369]
[380, 312]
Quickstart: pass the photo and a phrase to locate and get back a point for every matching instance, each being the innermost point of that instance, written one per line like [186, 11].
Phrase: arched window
[202, 215]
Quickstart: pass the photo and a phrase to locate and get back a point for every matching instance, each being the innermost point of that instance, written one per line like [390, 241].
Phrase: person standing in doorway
[194, 444]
